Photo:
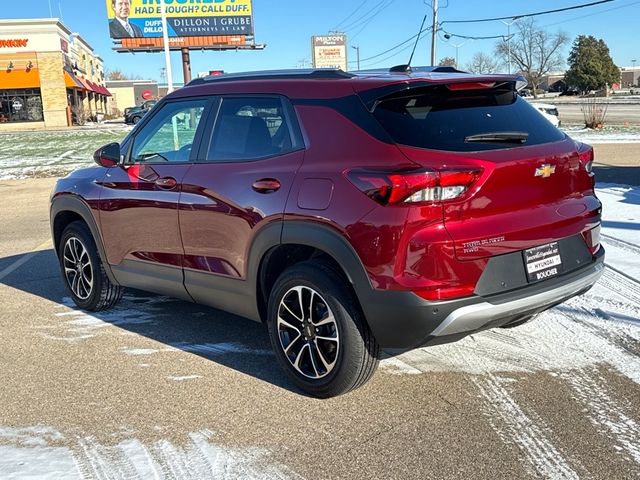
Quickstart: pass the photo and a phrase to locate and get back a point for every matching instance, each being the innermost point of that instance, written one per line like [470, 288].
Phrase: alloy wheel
[77, 268]
[308, 332]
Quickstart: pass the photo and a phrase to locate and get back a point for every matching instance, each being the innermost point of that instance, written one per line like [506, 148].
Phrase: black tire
[83, 272]
[334, 347]
[135, 120]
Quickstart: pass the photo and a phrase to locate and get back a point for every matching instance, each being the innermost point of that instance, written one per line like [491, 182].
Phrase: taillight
[414, 186]
[585, 154]
[592, 238]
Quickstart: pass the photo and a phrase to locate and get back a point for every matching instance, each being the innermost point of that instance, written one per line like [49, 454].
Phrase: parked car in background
[548, 111]
[133, 115]
[348, 212]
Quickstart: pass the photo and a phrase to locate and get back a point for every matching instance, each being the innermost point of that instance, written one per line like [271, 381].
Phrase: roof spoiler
[372, 98]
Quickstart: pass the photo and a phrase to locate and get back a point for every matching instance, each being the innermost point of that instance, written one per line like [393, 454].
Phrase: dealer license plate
[542, 262]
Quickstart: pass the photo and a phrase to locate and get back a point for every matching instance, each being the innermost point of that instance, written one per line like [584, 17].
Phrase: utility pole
[434, 32]
[357, 55]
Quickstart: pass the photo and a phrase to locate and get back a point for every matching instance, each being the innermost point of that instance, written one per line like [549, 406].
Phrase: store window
[21, 106]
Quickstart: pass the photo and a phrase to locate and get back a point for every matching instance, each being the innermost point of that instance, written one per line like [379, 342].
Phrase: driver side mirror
[108, 155]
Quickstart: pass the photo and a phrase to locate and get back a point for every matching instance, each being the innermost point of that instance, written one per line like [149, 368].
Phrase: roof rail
[311, 74]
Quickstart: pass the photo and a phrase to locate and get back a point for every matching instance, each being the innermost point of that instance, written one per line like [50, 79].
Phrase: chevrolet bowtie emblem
[545, 171]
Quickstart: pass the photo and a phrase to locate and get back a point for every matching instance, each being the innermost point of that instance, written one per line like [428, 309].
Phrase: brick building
[49, 76]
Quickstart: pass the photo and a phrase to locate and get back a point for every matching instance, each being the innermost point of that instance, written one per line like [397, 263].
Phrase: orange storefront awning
[17, 79]
[71, 81]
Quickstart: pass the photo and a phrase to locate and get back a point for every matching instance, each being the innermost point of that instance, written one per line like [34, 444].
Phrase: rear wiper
[499, 137]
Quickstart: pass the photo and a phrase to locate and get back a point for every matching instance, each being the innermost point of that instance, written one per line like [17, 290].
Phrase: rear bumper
[403, 320]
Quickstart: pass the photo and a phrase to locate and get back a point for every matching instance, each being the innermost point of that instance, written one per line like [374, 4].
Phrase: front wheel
[83, 272]
[318, 331]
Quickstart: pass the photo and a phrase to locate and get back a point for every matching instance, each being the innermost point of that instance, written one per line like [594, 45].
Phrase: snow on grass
[52, 153]
[608, 134]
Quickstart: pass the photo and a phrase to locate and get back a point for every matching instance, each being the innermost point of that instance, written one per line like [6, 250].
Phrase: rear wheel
[135, 120]
[83, 271]
[318, 331]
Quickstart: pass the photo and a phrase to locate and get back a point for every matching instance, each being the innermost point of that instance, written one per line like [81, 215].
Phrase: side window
[250, 128]
[169, 135]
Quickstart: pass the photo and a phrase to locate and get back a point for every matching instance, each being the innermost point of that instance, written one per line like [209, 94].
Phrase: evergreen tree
[590, 65]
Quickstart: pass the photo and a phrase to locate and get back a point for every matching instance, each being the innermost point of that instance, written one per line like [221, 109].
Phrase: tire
[83, 272]
[135, 120]
[331, 351]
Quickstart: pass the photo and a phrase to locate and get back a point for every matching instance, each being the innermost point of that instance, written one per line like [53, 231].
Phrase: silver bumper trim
[474, 317]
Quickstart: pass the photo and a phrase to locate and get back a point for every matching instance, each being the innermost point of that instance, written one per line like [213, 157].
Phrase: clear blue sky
[286, 26]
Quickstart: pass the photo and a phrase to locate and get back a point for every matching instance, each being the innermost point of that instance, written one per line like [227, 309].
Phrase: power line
[591, 14]
[364, 25]
[350, 15]
[363, 18]
[396, 46]
[503, 37]
[382, 60]
[557, 10]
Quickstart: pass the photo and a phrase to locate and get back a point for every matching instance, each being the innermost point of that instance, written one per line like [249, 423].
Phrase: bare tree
[113, 75]
[482, 63]
[536, 52]
[447, 62]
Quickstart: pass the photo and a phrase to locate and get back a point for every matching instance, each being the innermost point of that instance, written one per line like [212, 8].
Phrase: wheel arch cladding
[303, 241]
[70, 208]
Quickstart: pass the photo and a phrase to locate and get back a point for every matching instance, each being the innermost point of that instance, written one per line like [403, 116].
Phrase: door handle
[266, 185]
[166, 183]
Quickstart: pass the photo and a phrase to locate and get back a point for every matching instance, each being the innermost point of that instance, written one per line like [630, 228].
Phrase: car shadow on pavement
[621, 176]
[226, 339]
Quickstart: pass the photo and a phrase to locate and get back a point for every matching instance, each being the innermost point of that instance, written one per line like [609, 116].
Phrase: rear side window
[249, 128]
[440, 119]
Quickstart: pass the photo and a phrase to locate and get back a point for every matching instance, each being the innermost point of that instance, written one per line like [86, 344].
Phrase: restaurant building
[49, 76]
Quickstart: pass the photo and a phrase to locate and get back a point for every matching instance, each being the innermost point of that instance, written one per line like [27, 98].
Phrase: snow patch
[524, 429]
[184, 378]
[84, 457]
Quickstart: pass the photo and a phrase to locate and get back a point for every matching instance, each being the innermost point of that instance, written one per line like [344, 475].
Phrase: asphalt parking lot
[159, 387]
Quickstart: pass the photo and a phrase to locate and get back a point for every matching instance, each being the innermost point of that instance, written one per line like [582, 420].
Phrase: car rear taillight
[413, 186]
[585, 154]
[592, 238]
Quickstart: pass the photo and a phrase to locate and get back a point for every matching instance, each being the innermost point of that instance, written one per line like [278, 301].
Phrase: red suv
[347, 212]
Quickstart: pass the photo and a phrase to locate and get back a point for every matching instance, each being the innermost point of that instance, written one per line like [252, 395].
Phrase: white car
[548, 111]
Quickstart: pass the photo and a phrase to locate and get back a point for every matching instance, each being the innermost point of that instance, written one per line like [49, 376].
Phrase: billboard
[185, 18]
[329, 51]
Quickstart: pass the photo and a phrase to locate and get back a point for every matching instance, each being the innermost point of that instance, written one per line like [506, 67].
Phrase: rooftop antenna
[407, 67]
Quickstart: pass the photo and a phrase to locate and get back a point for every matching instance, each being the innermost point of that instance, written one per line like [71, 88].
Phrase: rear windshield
[440, 119]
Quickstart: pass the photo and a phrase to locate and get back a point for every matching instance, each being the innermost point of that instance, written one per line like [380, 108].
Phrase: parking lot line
[24, 259]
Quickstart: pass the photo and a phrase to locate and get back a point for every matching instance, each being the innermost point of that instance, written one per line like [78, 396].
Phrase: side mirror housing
[108, 156]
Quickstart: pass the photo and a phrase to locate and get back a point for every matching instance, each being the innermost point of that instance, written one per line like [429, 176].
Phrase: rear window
[440, 119]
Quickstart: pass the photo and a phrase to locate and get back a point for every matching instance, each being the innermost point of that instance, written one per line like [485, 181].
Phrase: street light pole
[454, 45]
[508, 24]
[167, 54]
[357, 49]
